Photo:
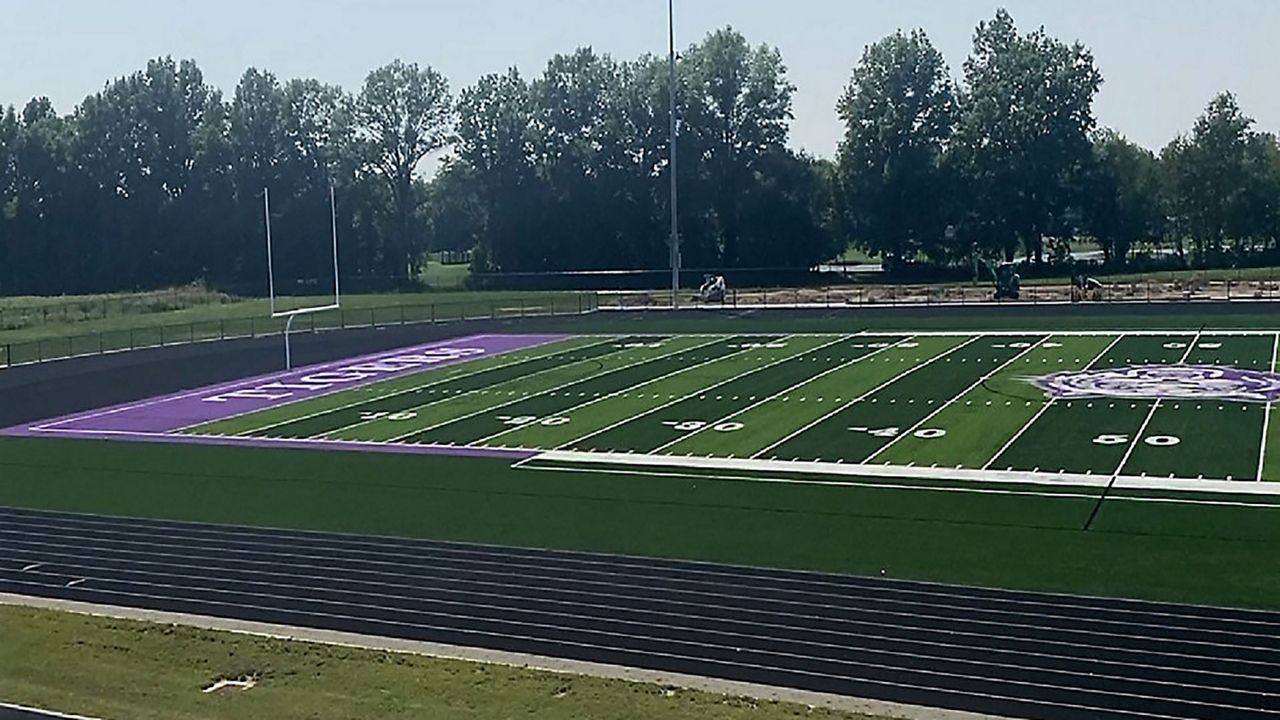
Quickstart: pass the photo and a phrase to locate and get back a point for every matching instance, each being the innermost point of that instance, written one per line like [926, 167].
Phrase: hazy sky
[1162, 59]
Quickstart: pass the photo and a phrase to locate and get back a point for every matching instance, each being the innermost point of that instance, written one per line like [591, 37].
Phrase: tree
[1206, 176]
[1124, 205]
[739, 111]
[898, 112]
[403, 113]
[1022, 140]
[495, 143]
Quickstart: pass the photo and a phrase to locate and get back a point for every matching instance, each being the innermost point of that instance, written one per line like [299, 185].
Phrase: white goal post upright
[290, 315]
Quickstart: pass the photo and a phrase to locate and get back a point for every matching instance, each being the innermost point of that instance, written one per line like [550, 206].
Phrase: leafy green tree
[898, 112]
[1208, 175]
[495, 143]
[1124, 202]
[1022, 140]
[739, 111]
[403, 113]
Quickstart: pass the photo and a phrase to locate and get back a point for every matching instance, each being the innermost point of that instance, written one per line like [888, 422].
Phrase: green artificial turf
[1191, 553]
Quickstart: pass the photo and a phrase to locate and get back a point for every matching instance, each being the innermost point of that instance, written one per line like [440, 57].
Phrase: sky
[1162, 60]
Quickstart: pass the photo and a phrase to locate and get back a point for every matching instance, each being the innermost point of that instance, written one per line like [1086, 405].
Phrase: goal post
[290, 315]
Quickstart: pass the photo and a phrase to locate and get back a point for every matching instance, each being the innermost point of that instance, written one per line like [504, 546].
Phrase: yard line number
[696, 425]
[890, 432]
[1152, 440]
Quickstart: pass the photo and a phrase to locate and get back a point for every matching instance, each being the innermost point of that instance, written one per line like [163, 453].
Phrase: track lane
[1018, 653]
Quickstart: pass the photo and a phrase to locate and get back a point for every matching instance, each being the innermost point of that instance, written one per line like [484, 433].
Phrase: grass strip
[117, 669]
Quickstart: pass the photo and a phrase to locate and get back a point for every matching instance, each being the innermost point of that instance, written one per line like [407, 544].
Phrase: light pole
[675, 231]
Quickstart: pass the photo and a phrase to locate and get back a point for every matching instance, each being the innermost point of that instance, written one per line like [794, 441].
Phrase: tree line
[158, 178]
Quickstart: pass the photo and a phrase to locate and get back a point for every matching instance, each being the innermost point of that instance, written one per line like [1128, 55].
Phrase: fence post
[130, 338]
[39, 351]
[8, 354]
[161, 336]
[493, 310]
[253, 327]
[402, 314]
[100, 349]
[342, 319]
[433, 313]
[222, 329]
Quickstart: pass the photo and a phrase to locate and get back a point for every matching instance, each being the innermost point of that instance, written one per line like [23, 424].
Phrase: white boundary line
[522, 398]
[784, 391]
[1129, 482]
[854, 483]
[865, 395]
[976, 383]
[1045, 407]
[485, 389]
[1266, 413]
[574, 408]
[45, 713]
[699, 391]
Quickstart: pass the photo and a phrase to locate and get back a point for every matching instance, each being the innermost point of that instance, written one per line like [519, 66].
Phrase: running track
[1005, 653]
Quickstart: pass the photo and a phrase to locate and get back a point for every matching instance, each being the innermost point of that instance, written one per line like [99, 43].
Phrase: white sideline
[1127, 482]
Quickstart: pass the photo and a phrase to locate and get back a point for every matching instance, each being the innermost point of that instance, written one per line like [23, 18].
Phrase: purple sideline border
[160, 419]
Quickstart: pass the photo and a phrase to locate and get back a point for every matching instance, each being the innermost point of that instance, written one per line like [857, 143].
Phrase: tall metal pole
[675, 230]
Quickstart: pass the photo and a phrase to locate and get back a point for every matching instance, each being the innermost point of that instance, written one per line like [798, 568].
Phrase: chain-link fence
[57, 348]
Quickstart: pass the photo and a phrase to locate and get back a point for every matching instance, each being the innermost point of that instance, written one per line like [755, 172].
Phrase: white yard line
[485, 389]
[522, 398]
[719, 338]
[548, 347]
[1051, 402]
[793, 388]
[1266, 413]
[865, 395]
[907, 433]
[682, 398]
[1137, 437]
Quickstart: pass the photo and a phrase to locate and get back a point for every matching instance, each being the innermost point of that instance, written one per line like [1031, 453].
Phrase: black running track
[1004, 653]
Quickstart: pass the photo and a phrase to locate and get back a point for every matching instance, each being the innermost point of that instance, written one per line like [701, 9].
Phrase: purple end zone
[158, 419]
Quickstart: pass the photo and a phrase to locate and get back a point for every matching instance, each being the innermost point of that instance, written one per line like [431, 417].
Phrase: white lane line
[694, 393]
[395, 592]
[907, 433]
[521, 398]
[1044, 408]
[706, 661]
[624, 566]
[773, 396]
[593, 401]
[1266, 413]
[778, 620]
[1137, 437]
[863, 396]
[548, 348]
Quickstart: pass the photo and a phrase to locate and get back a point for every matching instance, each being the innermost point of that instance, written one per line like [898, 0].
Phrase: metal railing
[137, 338]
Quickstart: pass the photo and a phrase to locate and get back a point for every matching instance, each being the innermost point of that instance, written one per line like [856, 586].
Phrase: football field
[1138, 410]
